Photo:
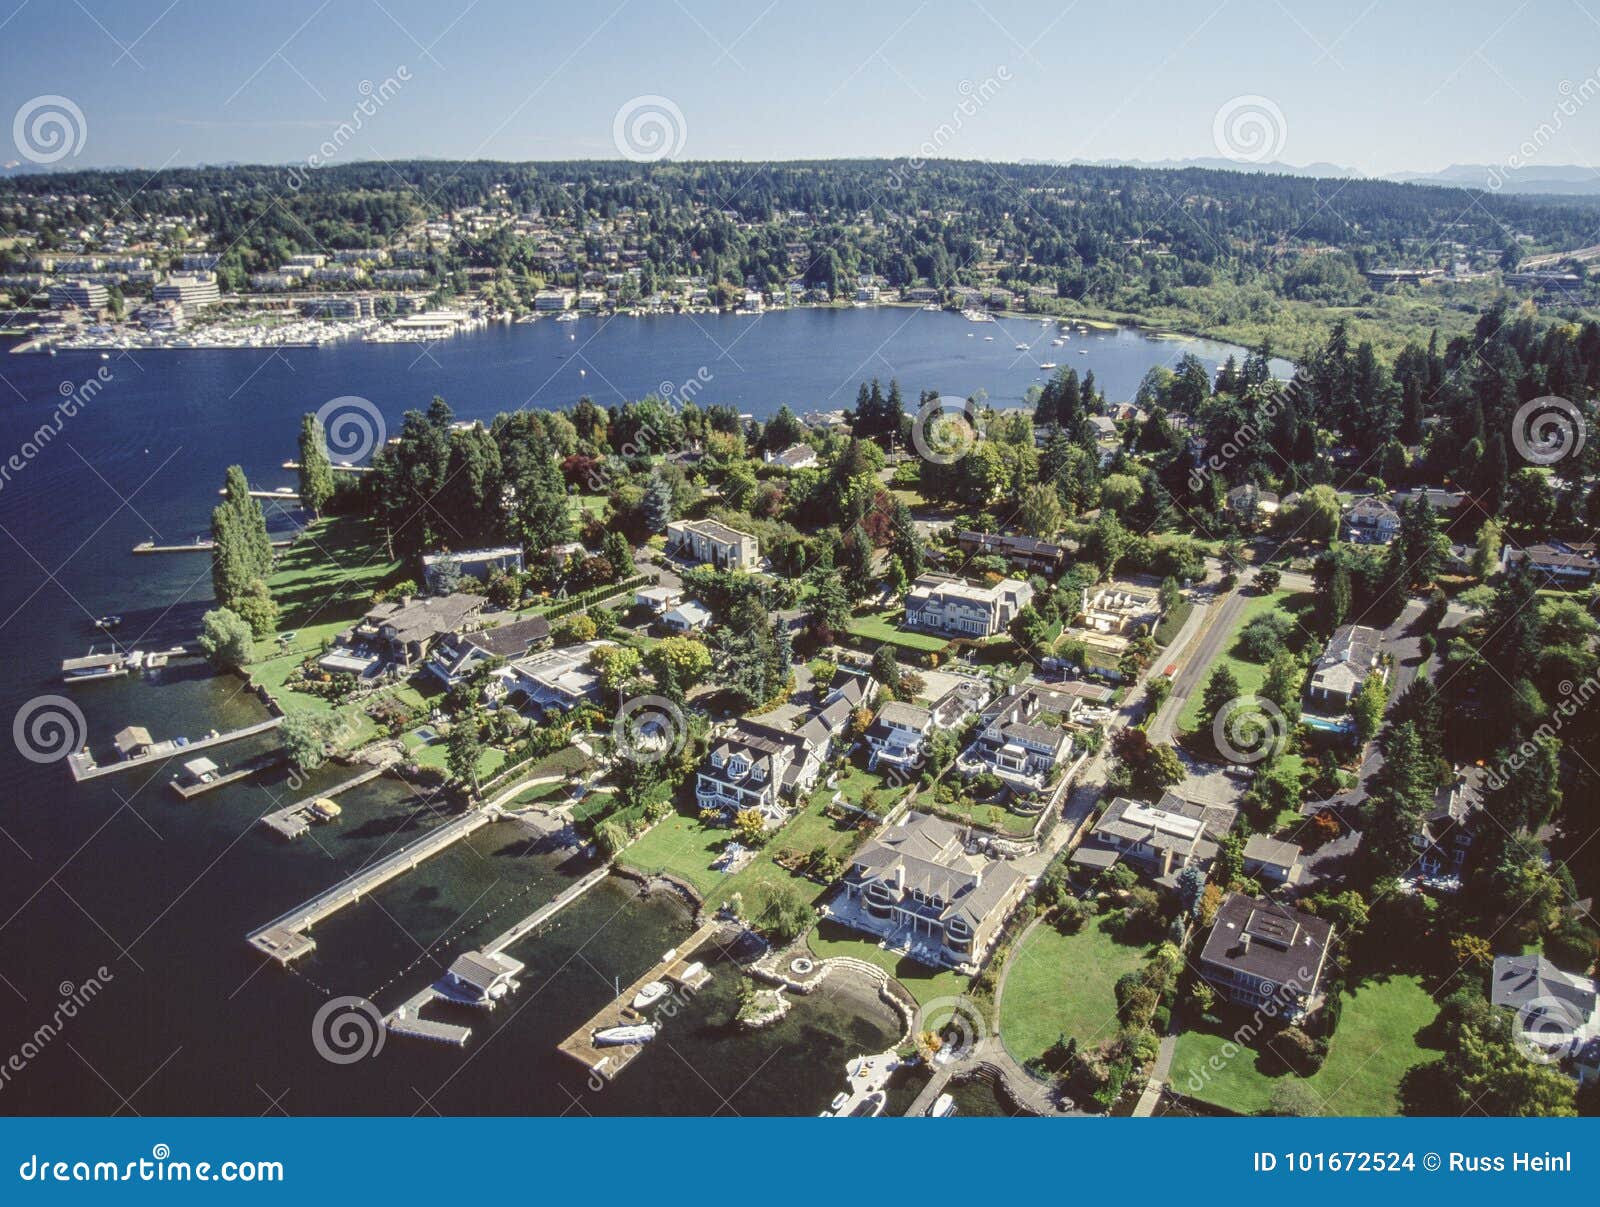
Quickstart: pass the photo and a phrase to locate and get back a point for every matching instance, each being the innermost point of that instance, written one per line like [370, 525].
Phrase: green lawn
[1060, 984]
[1375, 1043]
[327, 577]
[1172, 622]
[685, 847]
[1249, 674]
[880, 626]
[990, 816]
[925, 984]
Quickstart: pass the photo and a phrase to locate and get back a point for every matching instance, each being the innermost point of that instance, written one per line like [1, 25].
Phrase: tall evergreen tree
[316, 472]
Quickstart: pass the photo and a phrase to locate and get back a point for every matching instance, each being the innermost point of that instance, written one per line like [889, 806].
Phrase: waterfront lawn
[1249, 674]
[925, 984]
[326, 578]
[1060, 984]
[882, 627]
[684, 847]
[1373, 1046]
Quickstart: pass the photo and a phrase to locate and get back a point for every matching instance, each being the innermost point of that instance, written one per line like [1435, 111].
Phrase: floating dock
[261, 762]
[83, 766]
[285, 940]
[93, 667]
[609, 1060]
[338, 469]
[295, 820]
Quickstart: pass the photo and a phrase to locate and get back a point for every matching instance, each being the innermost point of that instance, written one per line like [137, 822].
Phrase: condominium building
[191, 292]
[714, 543]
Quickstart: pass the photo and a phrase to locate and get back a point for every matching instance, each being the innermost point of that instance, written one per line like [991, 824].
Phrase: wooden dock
[608, 1061]
[197, 546]
[547, 911]
[93, 667]
[338, 469]
[284, 939]
[244, 770]
[294, 820]
[285, 494]
[83, 766]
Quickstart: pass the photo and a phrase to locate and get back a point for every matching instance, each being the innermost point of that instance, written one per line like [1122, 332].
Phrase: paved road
[1220, 619]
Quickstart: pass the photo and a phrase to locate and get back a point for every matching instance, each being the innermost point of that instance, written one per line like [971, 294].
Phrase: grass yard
[879, 626]
[1172, 622]
[1060, 984]
[925, 984]
[1249, 674]
[1374, 1045]
[685, 847]
[327, 577]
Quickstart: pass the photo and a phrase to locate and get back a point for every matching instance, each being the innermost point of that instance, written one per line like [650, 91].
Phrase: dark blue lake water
[118, 873]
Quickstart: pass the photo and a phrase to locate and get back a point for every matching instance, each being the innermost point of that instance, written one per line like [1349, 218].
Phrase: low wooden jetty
[338, 469]
[547, 911]
[294, 820]
[285, 940]
[232, 775]
[285, 494]
[83, 766]
[407, 1020]
[94, 666]
[198, 545]
[609, 1060]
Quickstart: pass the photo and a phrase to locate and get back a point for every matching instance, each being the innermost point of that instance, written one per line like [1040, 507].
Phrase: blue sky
[1381, 88]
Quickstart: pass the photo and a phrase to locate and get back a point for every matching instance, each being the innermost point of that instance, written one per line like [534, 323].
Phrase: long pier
[196, 546]
[261, 762]
[338, 469]
[83, 766]
[294, 820]
[609, 1060]
[547, 911]
[285, 940]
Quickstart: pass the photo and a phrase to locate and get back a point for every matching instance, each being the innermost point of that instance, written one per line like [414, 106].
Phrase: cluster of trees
[241, 556]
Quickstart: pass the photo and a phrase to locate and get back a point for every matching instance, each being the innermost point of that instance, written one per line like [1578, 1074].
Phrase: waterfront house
[713, 543]
[555, 680]
[470, 563]
[1158, 840]
[796, 456]
[753, 765]
[1025, 552]
[941, 603]
[916, 886]
[1352, 653]
[404, 630]
[456, 655]
[1264, 956]
[1557, 1011]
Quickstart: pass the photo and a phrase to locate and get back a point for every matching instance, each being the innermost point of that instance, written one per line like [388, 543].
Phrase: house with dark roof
[470, 563]
[916, 886]
[405, 630]
[456, 655]
[1029, 554]
[1352, 653]
[754, 765]
[1557, 1012]
[1262, 955]
[1561, 563]
[1022, 738]
[1158, 840]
